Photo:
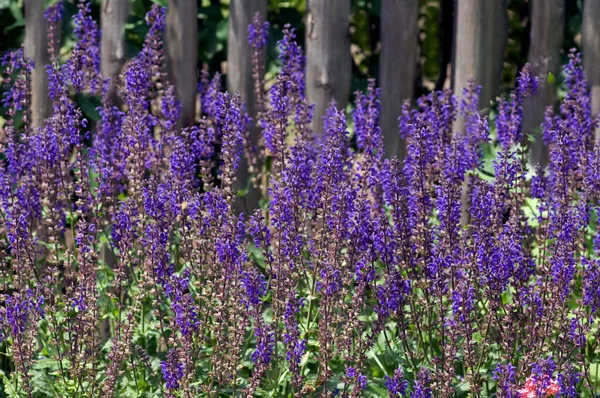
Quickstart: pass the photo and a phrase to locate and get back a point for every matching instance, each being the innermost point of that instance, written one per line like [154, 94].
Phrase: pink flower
[530, 389]
[553, 388]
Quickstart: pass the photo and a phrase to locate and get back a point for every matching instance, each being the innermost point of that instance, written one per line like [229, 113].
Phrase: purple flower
[21, 309]
[421, 389]
[591, 287]
[256, 287]
[391, 295]
[17, 314]
[527, 84]
[258, 32]
[292, 60]
[211, 96]
[541, 374]
[172, 370]
[366, 121]
[265, 345]
[333, 158]
[397, 386]
[330, 282]
[295, 346]
[361, 380]
[14, 62]
[463, 301]
[137, 84]
[186, 313]
[53, 14]
[568, 381]
[84, 64]
[510, 112]
[506, 377]
[469, 103]
[233, 123]
[576, 332]
[152, 50]
[274, 124]
[170, 108]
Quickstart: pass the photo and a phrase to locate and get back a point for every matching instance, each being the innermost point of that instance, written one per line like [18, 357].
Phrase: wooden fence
[479, 40]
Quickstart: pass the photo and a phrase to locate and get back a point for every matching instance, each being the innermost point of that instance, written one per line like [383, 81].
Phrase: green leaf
[15, 10]
[9, 386]
[42, 385]
[88, 106]
[130, 392]
[17, 24]
[282, 378]
[46, 363]
[463, 389]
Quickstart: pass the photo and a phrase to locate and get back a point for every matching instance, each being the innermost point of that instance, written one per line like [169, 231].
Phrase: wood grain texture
[239, 79]
[480, 41]
[114, 15]
[590, 32]
[328, 62]
[239, 52]
[397, 66]
[547, 35]
[36, 49]
[181, 42]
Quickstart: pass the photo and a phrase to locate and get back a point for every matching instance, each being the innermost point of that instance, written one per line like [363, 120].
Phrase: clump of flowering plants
[126, 270]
